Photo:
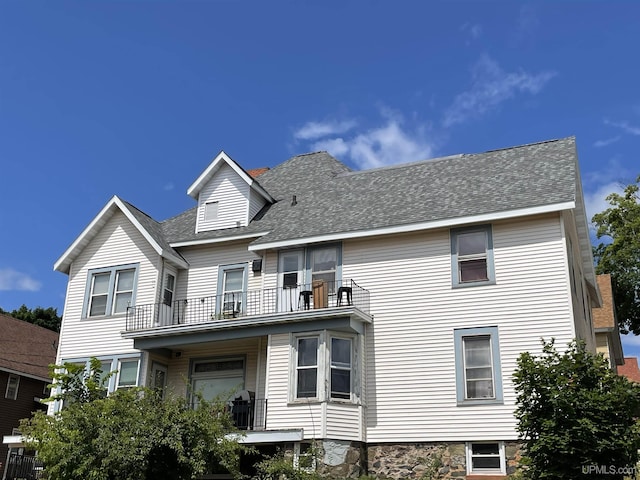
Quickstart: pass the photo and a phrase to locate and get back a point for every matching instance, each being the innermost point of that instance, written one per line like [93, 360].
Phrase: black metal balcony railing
[24, 467]
[249, 414]
[297, 297]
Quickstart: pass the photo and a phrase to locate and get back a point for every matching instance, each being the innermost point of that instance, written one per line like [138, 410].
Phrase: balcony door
[290, 279]
[218, 378]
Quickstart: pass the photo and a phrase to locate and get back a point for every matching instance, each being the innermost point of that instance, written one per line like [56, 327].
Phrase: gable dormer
[227, 195]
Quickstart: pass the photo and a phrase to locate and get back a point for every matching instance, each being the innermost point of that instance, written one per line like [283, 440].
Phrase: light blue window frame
[112, 281]
[455, 270]
[109, 363]
[459, 335]
[220, 291]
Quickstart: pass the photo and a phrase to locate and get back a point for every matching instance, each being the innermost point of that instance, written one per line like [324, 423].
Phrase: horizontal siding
[256, 202]
[179, 368]
[201, 280]
[232, 194]
[117, 243]
[343, 421]
[410, 377]
[281, 415]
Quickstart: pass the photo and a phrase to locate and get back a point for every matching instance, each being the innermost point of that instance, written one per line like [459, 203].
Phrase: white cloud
[168, 187]
[474, 29]
[607, 141]
[595, 200]
[315, 130]
[624, 126]
[13, 280]
[386, 144]
[491, 86]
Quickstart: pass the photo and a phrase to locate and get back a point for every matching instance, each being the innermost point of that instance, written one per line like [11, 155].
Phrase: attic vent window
[210, 211]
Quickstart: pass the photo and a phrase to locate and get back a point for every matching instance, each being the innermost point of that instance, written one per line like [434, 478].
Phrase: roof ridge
[541, 142]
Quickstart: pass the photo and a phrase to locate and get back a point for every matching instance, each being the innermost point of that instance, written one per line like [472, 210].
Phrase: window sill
[104, 317]
[480, 402]
[317, 401]
[489, 476]
[473, 284]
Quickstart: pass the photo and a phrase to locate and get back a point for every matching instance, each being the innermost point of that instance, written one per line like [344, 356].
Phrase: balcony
[294, 299]
[249, 414]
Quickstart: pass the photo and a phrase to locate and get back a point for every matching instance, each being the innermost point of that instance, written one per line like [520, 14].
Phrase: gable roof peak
[219, 160]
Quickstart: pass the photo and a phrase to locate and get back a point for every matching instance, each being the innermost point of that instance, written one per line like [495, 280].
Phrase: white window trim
[111, 297]
[168, 293]
[459, 335]
[455, 267]
[297, 368]
[486, 471]
[17, 387]
[120, 361]
[222, 269]
[323, 387]
[297, 455]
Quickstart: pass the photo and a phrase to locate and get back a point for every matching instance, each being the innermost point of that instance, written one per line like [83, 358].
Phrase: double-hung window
[169, 286]
[323, 266]
[340, 377]
[13, 382]
[472, 256]
[323, 366]
[478, 372]
[307, 367]
[110, 290]
[232, 280]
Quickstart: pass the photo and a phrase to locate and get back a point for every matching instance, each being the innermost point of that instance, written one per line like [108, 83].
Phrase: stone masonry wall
[428, 461]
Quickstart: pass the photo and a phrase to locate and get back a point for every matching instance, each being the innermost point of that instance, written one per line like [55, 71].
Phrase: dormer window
[210, 211]
[225, 180]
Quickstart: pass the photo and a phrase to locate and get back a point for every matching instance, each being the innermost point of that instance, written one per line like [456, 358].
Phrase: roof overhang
[208, 241]
[27, 375]
[223, 159]
[613, 337]
[414, 227]
[347, 319]
[64, 262]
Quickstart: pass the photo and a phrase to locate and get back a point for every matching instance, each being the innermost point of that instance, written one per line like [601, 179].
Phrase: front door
[290, 278]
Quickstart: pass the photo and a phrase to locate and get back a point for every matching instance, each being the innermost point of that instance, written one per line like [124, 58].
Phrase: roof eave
[195, 188]
[414, 227]
[64, 262]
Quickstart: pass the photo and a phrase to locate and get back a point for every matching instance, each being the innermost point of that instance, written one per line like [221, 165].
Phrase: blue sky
[135, 98]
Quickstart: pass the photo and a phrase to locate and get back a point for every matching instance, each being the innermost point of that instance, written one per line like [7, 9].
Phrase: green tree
[132, 434]
[619, 254]
[576, 417]
[43, 317]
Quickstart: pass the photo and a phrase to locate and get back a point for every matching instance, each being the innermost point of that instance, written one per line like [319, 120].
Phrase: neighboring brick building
[26, 351]
[630, 369]
[606, 326]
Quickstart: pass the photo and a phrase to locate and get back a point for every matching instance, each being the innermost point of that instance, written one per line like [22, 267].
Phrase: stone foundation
[428, 461]
[340, 459]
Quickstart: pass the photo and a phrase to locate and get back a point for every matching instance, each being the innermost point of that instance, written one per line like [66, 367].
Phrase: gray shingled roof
[332, 199]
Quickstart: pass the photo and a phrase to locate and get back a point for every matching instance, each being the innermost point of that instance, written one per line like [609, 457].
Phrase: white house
[379, 313]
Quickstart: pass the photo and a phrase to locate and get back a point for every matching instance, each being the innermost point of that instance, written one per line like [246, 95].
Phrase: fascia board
[207, 241]
[205, 176]
[65, 260]
[414, 227]
[63, 263]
